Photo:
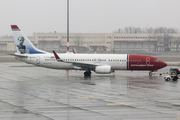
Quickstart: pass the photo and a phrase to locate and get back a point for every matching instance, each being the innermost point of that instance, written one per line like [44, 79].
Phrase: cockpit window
[156, 60]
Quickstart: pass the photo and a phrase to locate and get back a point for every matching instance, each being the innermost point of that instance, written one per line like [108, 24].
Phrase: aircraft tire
[150, 73]
[87, 73]
[168, 79]
[175, 79]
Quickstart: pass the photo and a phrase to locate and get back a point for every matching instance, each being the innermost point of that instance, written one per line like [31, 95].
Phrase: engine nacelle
[103, 69]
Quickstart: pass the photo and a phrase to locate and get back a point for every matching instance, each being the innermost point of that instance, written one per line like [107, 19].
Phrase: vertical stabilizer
[22, 43]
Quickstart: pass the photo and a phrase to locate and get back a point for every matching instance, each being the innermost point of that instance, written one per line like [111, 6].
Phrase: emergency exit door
[38, 60]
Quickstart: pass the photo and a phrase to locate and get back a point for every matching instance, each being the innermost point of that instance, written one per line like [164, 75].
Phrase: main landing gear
[87, 73]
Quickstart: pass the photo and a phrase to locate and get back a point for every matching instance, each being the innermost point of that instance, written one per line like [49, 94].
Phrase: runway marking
[61, 106]
[98, 110]
[10, 78]
[86, 97]
[46, 107]
[60, 112]
[120, 103]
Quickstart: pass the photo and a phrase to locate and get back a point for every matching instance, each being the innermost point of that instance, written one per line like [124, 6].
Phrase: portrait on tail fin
[22, 48]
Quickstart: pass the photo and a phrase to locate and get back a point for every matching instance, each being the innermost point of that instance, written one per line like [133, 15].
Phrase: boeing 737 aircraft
[99, 63]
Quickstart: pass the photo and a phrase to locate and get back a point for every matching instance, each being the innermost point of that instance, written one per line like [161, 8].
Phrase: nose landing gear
[150, 73]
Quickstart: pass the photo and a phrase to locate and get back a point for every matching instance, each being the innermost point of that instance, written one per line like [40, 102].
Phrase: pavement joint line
[91, 93]
[78, 107]
[87, 97]
[97, 97]
[81, 91]
[121, 103]
[79, 111]
[32, 112]
[60, 106]
[94, 92]
[72, 93]
[10, 78]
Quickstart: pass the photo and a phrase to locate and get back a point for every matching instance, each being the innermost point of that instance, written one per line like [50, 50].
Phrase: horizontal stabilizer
[18, 55]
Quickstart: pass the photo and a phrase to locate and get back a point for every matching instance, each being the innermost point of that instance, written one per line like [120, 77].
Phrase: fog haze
[87, 16]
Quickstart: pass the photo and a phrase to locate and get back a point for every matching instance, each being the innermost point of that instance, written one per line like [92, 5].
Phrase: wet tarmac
[28, 92]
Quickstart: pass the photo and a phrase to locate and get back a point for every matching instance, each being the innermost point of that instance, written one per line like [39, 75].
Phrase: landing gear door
[147, 61]
[38, 60]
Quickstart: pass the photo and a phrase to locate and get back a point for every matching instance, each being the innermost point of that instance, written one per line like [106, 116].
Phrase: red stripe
[68, 45]
[14, 27]
[67, 39]
[68, 49]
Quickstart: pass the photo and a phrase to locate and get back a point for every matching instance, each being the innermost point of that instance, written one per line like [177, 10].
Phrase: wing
[77, 64]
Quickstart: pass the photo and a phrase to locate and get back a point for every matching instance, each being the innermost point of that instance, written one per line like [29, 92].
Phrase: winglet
[56, 56]
[74, 51]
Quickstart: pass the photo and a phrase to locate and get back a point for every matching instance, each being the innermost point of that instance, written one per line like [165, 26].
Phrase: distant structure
[98, 42]
[67, 25]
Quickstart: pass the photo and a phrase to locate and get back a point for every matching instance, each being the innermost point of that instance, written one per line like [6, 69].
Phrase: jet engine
[103, 69]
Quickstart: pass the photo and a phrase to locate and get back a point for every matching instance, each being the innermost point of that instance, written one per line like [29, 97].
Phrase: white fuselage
[117, 62]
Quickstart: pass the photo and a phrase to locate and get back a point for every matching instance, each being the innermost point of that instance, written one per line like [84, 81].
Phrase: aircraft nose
[163, 64]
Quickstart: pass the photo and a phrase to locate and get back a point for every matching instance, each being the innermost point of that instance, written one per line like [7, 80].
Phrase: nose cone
[163, 64]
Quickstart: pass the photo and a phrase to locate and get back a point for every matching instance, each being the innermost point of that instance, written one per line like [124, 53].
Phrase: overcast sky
[87, 16]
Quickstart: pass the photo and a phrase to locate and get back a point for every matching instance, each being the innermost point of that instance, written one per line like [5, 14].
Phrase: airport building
[96, 42]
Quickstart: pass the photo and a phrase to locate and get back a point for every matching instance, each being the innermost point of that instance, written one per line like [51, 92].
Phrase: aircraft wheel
[150, 73]
[87, 73]
[168, 79]
[175, 79]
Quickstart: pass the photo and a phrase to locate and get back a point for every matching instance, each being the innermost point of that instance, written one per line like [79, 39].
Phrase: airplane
[99, 63]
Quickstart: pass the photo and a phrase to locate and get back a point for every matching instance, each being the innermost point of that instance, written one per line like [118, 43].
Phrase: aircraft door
[147, 61]
[38, 59]
[29, 58]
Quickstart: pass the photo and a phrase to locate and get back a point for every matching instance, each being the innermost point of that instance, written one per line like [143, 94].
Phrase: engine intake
[103, 69]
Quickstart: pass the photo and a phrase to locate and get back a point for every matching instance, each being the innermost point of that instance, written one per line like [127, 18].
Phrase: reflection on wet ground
[29, 92]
